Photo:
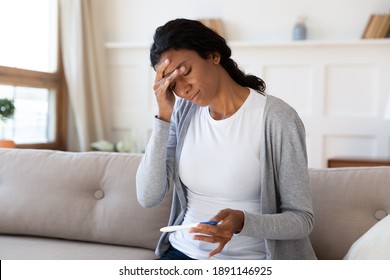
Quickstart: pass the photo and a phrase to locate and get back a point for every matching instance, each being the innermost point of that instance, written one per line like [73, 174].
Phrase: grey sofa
[65, 205]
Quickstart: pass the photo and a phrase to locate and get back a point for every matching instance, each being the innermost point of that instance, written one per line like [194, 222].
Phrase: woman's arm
[155, 172]
[286, 177]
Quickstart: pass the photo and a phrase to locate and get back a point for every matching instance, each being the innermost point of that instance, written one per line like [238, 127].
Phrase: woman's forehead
[176, 55]
[177, 58]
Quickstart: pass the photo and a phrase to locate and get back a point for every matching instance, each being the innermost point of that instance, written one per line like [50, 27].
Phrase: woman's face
[199, 80]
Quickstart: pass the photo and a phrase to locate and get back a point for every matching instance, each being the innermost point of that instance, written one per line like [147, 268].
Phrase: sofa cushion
[82, 196]
[13, 247]
[347, 202]
[374, 244]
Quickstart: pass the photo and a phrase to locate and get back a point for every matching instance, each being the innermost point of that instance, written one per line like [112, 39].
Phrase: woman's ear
[215, 57]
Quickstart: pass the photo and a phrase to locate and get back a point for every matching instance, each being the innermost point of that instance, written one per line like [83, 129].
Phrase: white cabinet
[340, 90]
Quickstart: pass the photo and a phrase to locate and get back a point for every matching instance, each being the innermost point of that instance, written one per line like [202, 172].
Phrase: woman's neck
[228, 100]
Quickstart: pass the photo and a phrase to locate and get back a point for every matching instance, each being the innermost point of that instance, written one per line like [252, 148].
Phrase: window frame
[53, 80]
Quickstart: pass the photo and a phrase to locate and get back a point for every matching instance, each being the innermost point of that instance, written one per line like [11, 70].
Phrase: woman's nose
[183, 87]
[187, 88]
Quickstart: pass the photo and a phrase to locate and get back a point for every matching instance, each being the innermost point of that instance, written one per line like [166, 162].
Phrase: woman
[231, 154]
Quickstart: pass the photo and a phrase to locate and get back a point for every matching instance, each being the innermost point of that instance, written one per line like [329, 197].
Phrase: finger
[209, 238]
[177, 72]
[218, 249]
[211, 233]
[171, 77]
[212, 238]
[222, 214]
[160, 87]
[160, 69]
[206, 229]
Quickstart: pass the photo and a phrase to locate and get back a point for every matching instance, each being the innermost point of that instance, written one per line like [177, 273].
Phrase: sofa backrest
[91, 197]
[81, 196]
[347, 202]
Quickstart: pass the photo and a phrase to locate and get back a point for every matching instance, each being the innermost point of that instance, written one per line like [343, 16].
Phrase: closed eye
[188, 72]
[172, 86]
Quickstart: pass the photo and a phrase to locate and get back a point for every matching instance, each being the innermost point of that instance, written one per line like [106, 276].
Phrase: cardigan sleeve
[285, 191]
[154, 176]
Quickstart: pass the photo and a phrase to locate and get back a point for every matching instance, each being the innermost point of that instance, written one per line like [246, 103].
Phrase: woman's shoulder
[277, 106]
[279, 114]
[276, 103]
[183, 108]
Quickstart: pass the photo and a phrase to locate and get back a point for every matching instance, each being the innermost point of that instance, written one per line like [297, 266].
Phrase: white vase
[299, 30]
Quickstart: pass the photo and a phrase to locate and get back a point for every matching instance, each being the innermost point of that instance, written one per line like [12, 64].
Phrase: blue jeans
[173, 254]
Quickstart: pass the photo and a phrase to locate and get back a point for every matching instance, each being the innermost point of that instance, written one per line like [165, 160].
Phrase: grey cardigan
[287, 216]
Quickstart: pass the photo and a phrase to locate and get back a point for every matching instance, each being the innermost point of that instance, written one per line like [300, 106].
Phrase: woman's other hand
[230, 221]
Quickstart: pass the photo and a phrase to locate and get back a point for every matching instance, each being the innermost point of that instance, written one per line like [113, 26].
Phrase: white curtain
[84, 66]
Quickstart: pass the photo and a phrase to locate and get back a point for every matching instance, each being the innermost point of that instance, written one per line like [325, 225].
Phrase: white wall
[333, 50]
[248, 20]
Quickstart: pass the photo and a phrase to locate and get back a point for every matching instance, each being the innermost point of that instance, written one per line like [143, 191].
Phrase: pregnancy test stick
[181, 227]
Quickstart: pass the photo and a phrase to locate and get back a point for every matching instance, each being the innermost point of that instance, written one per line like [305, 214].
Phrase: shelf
[312, 43]
[127, 45]
[251, 44]
[357, 162]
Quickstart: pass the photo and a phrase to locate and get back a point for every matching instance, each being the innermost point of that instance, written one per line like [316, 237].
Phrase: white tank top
[220, 166]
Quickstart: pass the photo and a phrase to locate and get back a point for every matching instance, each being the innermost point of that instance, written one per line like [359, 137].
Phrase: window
[31, 73]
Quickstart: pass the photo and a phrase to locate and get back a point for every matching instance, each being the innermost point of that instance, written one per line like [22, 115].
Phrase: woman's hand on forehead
[162, 89]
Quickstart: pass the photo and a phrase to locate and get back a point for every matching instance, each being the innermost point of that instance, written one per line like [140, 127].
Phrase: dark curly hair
[193, 35]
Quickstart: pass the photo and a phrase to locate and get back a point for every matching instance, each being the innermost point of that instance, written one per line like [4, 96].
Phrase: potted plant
[7, 110]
